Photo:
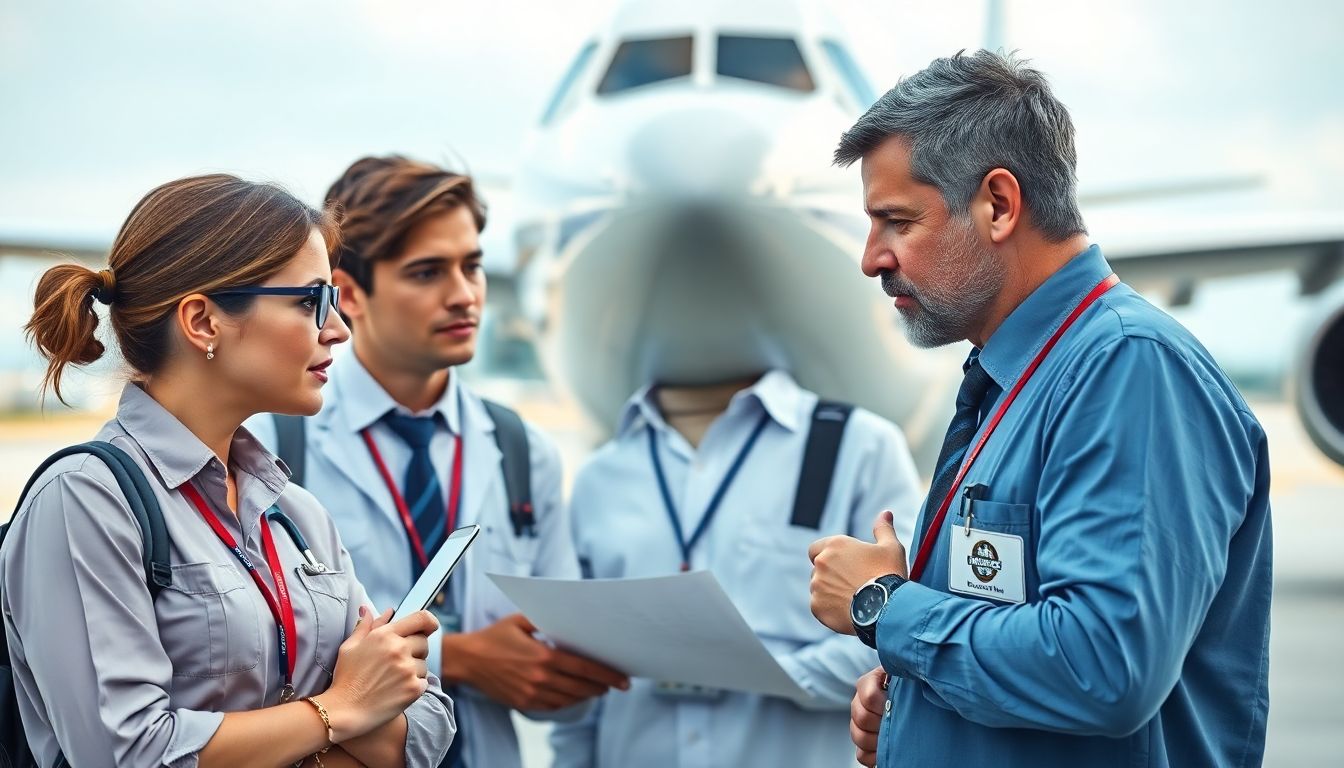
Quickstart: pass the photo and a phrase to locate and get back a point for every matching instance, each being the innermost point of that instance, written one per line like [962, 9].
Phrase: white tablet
[432, 581]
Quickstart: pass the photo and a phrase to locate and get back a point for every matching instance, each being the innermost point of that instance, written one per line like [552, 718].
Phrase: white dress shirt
[622, 530]
[340, 471]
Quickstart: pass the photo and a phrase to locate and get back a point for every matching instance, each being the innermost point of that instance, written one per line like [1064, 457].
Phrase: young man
[403, 452]
[735, 478]
[1091, 588]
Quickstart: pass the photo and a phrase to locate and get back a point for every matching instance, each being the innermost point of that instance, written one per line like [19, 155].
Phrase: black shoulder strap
[140, 498]
[145, 507]
[511, 436]
[291, 445]
[823, 447]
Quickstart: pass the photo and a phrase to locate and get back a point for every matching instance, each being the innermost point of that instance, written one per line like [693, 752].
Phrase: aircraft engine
[1318, 376]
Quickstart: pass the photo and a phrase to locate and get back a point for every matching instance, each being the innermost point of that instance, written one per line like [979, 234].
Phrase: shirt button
[692, 737]
[886, 707]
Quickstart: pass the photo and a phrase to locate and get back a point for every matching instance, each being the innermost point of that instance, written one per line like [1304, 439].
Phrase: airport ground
[1306, 722]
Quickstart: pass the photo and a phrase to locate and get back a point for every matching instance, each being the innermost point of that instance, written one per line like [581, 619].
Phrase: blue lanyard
[687, 546]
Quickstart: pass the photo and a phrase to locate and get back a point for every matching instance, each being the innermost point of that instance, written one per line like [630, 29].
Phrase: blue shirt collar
[1025, 331]
[363, 400]
[776, 392]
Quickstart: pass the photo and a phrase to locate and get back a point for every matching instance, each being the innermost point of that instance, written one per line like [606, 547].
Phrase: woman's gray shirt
[109, 676]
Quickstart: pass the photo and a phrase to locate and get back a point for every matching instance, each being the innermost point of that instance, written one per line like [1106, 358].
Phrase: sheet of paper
[680, 628]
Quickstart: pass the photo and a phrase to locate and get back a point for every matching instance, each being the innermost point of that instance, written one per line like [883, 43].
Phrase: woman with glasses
[218, 293]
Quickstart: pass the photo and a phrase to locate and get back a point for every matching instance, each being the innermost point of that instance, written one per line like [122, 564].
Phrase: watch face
[868, 603]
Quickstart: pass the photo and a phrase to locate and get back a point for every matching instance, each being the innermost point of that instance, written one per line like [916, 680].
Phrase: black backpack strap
[511, 437]
[823, 447]
[291, 444]
[144, 505]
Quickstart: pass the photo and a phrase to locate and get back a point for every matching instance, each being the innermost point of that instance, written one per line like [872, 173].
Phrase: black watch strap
[868, 634]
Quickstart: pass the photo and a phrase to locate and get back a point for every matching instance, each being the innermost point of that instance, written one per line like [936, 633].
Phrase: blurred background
[1210, 140]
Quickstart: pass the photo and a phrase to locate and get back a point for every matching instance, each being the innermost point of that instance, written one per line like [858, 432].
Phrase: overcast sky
[99, 101]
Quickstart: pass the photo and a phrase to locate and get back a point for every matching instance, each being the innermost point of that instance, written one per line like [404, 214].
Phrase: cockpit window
[857, 85]
[770, 60]
[642, 62]
[566, 86]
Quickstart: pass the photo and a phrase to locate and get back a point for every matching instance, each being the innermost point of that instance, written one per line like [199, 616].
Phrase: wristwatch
[867, 605]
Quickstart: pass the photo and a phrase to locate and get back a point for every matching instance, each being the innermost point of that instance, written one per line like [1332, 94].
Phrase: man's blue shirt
[1138, 479]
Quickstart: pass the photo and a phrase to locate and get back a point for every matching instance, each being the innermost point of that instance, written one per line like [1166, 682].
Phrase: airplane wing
[1169, 257]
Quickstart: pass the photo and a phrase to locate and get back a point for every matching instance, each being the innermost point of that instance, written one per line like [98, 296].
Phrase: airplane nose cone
[696, 153]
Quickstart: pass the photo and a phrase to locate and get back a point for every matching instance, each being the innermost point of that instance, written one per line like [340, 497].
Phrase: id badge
[986, 564]
[686, 691]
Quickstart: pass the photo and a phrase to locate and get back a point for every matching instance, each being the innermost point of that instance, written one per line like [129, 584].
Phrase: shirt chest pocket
[208, 621]
[499, 551]
[768, 580]
[996, 516]
[322, 616]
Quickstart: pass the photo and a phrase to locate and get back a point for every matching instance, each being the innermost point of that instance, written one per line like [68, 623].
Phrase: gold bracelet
[326, 721]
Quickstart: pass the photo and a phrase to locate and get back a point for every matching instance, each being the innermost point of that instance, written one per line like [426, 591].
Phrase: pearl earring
[209, 351]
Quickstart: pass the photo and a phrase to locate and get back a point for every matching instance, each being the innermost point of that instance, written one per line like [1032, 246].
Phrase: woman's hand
[380, 670]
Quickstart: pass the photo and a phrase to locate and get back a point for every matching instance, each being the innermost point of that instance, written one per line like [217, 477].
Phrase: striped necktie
[421, 488]
[970, 399]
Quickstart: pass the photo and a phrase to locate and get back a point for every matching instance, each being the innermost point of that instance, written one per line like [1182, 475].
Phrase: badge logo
[984, 561]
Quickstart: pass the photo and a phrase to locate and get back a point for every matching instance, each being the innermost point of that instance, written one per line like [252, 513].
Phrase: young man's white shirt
[622, 530]
[341, 473]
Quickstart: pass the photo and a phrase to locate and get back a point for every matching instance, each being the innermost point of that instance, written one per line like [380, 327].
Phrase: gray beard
[947, 314]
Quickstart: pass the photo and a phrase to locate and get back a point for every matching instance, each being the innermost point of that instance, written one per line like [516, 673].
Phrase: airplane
[676, 218]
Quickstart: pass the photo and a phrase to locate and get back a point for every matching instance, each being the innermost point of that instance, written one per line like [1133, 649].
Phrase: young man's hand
[505, 662]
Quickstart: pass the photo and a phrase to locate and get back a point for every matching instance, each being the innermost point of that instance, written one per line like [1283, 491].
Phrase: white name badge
[986, 564]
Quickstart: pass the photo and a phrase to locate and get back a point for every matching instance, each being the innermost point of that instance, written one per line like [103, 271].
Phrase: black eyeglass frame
[327, 296]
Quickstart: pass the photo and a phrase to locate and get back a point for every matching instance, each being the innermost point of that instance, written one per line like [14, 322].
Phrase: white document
[679, 629]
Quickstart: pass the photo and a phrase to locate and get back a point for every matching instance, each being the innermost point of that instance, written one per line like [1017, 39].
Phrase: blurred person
[737, 478]
[1091, 581]
[403, 452]
[219, 293]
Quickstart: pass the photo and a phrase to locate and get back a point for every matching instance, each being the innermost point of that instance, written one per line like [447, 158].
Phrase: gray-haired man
[1091, 588]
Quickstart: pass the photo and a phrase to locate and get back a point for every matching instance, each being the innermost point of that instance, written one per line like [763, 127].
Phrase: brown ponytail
[193, 235]
[64, 321]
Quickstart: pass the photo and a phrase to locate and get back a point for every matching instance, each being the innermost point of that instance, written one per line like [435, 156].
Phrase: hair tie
[107, 286]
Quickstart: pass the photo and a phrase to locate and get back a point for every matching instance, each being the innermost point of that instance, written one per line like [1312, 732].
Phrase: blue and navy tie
[421, 488]
[424, 498]
[966, 422]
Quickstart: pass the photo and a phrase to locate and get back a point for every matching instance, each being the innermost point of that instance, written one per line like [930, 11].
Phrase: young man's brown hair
[382, 198]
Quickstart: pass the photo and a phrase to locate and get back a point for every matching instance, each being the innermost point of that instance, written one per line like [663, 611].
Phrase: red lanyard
[926, 546]
[454, 495]
[281, 609]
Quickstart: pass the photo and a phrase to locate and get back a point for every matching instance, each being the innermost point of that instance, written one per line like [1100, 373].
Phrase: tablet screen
[440, 568]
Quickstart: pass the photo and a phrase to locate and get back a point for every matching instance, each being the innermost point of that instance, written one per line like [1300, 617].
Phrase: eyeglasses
[327, 296]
